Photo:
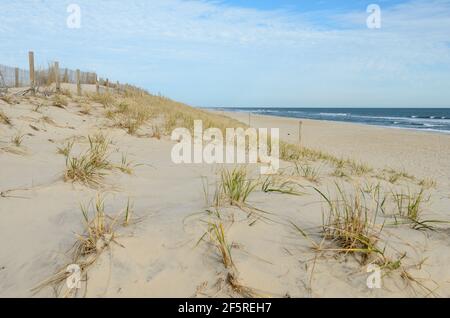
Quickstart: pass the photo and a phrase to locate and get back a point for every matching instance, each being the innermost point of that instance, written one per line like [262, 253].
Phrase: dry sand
[158, 256]
[421, 153]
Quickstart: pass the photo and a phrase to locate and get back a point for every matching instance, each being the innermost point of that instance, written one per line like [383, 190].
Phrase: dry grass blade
[284, 187]
[66, 148]
[5, 119]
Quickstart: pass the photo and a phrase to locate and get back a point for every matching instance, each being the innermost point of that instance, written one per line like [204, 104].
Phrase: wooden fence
[52, 74]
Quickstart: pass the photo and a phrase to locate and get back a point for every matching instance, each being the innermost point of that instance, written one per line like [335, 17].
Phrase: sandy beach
[423, 154]
[169, 247]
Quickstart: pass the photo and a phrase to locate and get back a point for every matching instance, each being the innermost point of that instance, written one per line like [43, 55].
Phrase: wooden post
[31, 60]
[78, 83]
[97, 86]
[66, 76]
[57, 82]
[16, 71]
[249, 120]
[107, 85]
[300, 123]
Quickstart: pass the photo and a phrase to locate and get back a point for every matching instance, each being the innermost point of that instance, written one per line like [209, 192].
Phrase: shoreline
[421, 153]
[229, 112]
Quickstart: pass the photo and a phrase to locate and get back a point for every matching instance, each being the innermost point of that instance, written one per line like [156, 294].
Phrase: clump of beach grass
[350, 224]
[393, 176]
[409, 209]
[105, 99]
[60, 101]
[125, 165]
[7, 99]
[99, 230]
[308, 172]
[359, 169]
[88, 168]
[85, 108]
[217, 237]
[156, 132]
[235, 186]
[17, 139]
[98, 234]
[291, 152]
[66, 92]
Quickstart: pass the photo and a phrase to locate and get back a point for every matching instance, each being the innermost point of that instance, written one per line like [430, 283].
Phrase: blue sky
[286, 53]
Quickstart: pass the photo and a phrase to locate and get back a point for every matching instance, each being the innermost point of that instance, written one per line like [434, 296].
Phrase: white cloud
[255, 56]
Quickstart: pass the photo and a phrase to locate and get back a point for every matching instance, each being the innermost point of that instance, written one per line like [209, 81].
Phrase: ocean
[424, 119]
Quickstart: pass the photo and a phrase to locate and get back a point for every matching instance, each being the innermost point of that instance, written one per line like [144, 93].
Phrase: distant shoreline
[401, 123]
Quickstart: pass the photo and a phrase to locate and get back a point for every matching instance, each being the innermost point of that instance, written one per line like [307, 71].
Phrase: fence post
[16, 73]
[107, 85]
[300, 123]
[97, 86]
[32, 79]
[66, 76]
[58, 84]
[78, 83]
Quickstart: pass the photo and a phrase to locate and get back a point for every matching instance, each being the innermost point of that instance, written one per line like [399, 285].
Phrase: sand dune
[164, 251]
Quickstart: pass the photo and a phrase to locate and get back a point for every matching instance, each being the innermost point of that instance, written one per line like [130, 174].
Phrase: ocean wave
[334, 114]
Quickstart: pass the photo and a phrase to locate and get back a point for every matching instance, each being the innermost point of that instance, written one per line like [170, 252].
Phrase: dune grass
[393, 176]
[105, 99]
[125, 166]
[427, 183]
[308, 172]
[4, 119]
[17, 139]
[272, 184]
[89, 167]
[99, 230]
[66, 148]
[235, 186]
[409, 210]
[7, 99]
[359, 169]
[60, 101]
[350, 224]
[98, 234]
[217, 237]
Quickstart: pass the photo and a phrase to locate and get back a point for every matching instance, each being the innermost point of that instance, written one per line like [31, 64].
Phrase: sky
[254, 53]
